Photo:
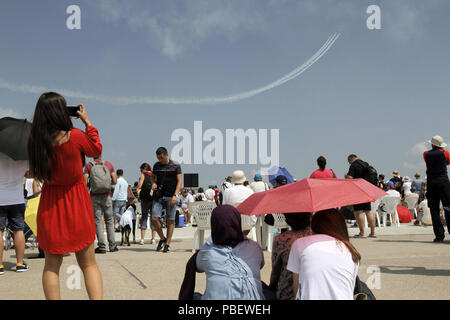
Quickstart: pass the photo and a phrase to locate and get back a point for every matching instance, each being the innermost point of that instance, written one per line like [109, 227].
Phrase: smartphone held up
[73, 111]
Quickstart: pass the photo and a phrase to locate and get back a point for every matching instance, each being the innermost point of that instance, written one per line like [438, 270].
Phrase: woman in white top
[406, 187]
[324, 265]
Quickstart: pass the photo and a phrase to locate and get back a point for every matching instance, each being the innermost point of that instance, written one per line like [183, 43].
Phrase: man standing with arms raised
[438, 186]
[165, 195]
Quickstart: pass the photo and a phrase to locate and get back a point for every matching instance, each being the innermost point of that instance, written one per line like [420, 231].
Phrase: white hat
[438, 141]
[406, 179]
[238, 177]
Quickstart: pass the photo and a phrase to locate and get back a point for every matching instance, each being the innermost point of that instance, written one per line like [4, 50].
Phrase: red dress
[65, 219]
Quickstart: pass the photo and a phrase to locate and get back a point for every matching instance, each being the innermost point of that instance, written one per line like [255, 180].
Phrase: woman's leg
[91, 272]
[50, 276]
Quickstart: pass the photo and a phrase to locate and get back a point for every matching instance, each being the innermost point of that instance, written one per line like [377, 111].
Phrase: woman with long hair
[323, 172]
[325, 264]
[281, 280]
[65, 217]
[144, 189]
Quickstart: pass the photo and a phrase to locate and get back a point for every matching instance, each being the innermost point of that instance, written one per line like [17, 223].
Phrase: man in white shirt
[210, 194]
[120, 195]
[12, 207]
[184, 199]
[237, 194]
[258, 185]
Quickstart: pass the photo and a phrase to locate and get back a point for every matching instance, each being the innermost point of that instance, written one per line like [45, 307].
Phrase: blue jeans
[164, 202]
[119, 208]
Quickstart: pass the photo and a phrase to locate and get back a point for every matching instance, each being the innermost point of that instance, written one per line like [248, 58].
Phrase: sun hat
[395, 173]
[258, 177]
[438, 141]
[238, 177]
[417, 175]
[406, 179]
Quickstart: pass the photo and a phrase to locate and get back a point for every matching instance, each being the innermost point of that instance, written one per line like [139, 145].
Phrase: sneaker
[372, 235]
[98, 250]
[2, 269]
[361, 236]
[141, 242]
[153, 241]
[160, 244]
[114, 250]
[417, 223]
[22, 267]
[436, 240]
[166, 248]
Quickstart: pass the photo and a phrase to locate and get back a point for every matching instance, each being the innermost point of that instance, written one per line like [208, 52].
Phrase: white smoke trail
[24, 88]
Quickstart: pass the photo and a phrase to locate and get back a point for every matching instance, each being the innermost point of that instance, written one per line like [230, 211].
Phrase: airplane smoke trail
[24, 88]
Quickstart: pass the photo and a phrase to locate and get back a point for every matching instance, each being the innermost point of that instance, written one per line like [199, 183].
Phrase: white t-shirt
[407, 188]
[210, 193]
[325, 268]
[259, 186]
[201, 194]
[11, 180]
[185, 201]
[392, 193]
[236, 194]
[127, 217]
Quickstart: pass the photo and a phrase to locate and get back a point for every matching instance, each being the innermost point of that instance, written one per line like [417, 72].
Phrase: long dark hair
[331, 222]
[298, 221]
[50, 117]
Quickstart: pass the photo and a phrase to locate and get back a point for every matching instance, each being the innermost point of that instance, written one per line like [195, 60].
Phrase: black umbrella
[14, 135]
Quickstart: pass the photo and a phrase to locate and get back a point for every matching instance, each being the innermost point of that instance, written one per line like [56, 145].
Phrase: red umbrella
[311, 195]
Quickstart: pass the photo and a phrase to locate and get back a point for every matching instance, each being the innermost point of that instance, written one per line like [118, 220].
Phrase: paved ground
[410, 265]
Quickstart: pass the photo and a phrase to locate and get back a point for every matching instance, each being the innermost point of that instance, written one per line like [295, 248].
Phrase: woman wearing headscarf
[232, 262]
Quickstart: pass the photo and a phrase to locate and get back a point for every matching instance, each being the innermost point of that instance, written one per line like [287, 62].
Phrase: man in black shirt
[438, 186]
[357, 170]
[165, 195]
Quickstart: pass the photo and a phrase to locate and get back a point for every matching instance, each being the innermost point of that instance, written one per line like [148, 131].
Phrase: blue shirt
[120, 190]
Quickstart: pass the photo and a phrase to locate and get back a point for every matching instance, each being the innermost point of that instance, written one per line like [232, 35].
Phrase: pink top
[325, 174]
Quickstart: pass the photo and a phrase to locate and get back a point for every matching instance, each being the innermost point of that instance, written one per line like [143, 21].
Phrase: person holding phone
[65, 217]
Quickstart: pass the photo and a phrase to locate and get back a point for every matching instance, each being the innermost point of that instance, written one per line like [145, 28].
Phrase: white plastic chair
[391, 204]
[411, 202]
[279, 223]
[374, 208]
[201, 211]
[248, 223]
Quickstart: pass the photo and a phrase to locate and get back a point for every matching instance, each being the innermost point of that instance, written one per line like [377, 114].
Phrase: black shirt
[166, 176]
[437, 161]
[356, 169]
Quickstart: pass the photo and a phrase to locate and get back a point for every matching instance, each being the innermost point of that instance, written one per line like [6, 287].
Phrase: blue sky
[377, 93]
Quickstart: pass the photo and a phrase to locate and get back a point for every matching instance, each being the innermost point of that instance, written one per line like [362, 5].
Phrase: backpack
[362, 288]
[100, 178]
[146, 188]
[370, 174]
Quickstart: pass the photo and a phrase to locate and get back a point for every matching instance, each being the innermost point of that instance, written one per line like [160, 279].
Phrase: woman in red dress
[65, 219]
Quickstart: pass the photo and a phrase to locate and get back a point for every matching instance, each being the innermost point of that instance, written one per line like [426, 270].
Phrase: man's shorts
[164, 202]
[362, 207]
[13, 216]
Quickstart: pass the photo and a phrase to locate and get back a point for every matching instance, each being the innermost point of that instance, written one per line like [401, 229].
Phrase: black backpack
[370, 174]
[361, 287]
[146, 188]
